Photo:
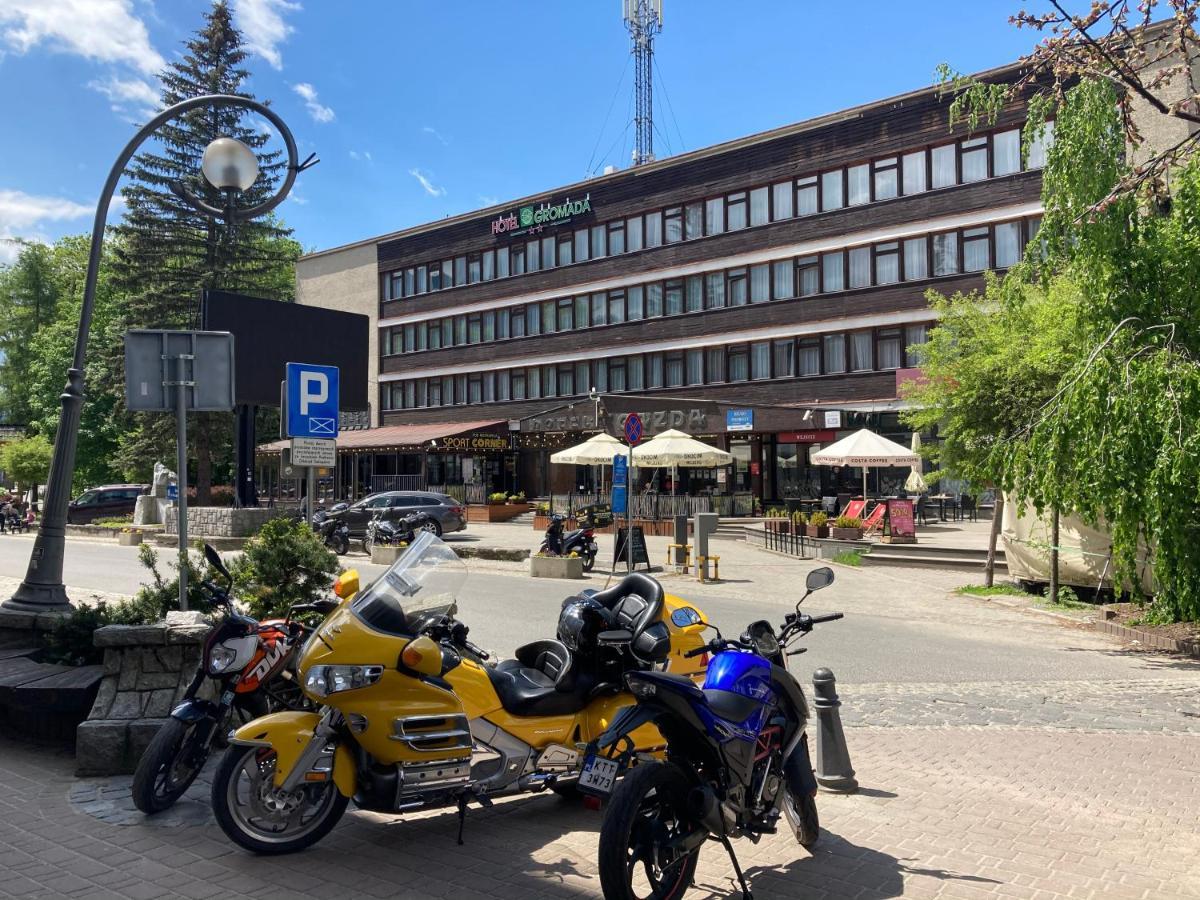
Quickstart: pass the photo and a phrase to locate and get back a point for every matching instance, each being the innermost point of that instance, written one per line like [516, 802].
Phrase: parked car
[108, 501]
[447, 513]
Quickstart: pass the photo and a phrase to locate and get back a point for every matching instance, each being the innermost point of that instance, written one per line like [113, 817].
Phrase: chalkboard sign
[636, 545]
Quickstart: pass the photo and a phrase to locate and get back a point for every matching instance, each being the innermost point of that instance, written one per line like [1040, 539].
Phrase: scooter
[414, 716]
[334, 534]
[581, 541]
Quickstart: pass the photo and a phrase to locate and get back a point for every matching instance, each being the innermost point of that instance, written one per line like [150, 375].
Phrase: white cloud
[485, 200]
[429, 129]
[364, 155]
[430, 188]
[22, 215]
[319, 111]
[126, 93]
[297, 199]
[263, 28]
[101, 30]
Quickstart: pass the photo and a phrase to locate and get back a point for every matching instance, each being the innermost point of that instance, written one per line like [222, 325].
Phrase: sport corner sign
[536, 217]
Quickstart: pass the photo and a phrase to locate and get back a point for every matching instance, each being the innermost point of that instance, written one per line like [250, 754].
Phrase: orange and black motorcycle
[251, 664]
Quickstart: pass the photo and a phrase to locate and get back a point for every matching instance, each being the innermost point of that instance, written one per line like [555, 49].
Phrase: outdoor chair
[855, 508]
[951, 512]
[919, 511]
[968, 507]
[874, 522]
[842, 500]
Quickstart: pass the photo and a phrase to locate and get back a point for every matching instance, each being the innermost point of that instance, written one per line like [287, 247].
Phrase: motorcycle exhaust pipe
[711, 813]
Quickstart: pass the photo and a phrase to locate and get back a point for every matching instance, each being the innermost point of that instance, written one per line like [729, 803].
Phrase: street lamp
[230, 166]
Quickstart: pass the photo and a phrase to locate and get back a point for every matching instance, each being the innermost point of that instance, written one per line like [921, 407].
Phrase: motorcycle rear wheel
[170, 764]
[589, 561]
[648, 808]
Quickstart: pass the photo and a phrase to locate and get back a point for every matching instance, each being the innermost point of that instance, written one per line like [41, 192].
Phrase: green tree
[28, 297]
[27, 461]
[285, 563]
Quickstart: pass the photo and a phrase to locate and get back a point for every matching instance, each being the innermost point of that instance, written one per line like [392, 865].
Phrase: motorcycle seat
[540, 681]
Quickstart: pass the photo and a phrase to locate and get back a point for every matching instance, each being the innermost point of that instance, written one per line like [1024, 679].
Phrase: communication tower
[643, 19]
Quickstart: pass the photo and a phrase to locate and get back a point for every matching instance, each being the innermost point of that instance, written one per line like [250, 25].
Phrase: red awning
[391, 437]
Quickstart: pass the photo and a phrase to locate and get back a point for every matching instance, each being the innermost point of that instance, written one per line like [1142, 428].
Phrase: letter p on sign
[312, 401]
[314, 389]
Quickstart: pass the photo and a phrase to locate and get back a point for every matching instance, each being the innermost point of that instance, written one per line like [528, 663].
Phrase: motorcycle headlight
[321, 681]
[220, 658]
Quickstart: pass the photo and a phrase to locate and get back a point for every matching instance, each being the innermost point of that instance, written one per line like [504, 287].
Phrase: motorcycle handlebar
[697, 652]
[828, 617]
[478, 651]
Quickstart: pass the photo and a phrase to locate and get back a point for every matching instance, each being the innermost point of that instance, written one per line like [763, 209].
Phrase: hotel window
[831, 190]
[583, 311]
[781, 196]
[806, 196]
[975, 159]
[674, 300]
[448, 332]
[489, 326]
[735, 211]
[435, 336]
[599, 309]
[633, 233]
[460, 270]
[533, 319]
[549, 259]
[503, 385]
[1007, 148]
[549, 381]
[654, 300]
[474, 329]
[914, 172]
[809, 356]
[581, 377]
[976, 250]
[518, 384]
[888, 350]
[601, 370]
[566, 314]
[1008, 244]
[914, 336]
[474, 269]
[533, 383]
[886, 178]
[674, 371]
[715, 369]
[858, 179]
[501, 262]
[518, 322]
[693, 218]
[516, 258]
[916, 259]
[760, 203]
[423, 334]
[488, 258]
[633, 372]
[432, 392]
[695, 293]
[616, 307]
[634, 297]
[654, 229]
[598, 248]
[616, 237]
[860, 351]
[760, 360]
[435, 278]
[447, 273]
[422, 283]
[760, 283]
[945, 254]
[832, 278]
[737, 287]
[714, 216]
[566, 249]
[460, 390]
[616, 374]
[695, 367]
[503, 317]
[835, 353]
[783, 283]
[460, 330]
[716, 290]
[409, 282]
[674, 220]
[475, 389]
[581, 245]
[739, 364]
[549, 316]
[654, 371]
[421, 393]
[1039, 146]
[944, 171]
[566, 381]
[489, 387]
[783, 361]
[808, 275]
[860, 267]
[410, 394]
[887, 263]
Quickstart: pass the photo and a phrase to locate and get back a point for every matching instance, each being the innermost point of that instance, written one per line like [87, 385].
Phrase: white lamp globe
[229, 165]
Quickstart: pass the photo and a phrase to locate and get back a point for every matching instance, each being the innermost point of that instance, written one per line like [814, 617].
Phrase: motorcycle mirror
[819, 578]
[214, 560]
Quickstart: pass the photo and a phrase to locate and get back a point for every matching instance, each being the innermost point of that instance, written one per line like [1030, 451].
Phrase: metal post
[834, 772]
[181, 386]
[311, 487]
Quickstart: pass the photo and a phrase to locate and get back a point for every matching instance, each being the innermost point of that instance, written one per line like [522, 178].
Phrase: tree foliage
[27, 460]
[29, 294]
[285, 563]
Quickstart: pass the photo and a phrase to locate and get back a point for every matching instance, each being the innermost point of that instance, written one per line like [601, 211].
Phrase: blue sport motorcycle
[736, 760]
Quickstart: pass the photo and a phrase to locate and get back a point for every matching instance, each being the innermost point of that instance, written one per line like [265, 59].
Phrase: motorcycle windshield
[424, 581]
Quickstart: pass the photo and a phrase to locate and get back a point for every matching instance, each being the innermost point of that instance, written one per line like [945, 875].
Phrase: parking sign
[312, 401]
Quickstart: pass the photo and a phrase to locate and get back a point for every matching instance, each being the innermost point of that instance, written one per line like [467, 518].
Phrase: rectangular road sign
[312, 401]
[318, 452]
[152, 370]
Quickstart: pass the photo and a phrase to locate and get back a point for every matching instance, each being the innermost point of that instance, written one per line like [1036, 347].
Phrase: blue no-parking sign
[620, 483]
[312, 401]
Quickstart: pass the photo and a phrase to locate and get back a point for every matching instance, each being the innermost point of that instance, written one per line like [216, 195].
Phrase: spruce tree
[170, 252]
[28, 298]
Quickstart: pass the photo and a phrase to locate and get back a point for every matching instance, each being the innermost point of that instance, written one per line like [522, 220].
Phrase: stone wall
[147, 669]
[222, 521]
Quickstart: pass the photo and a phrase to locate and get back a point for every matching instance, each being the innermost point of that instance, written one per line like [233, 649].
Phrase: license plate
[594, 547]
[598, 775]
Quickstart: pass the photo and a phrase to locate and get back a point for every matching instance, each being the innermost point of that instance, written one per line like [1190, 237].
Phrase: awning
[392, 437]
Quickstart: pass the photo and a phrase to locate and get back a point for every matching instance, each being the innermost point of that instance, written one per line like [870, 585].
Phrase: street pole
[181, 385]
[43, 589]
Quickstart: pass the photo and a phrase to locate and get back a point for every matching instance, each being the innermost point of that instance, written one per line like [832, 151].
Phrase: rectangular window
[533, 319]
[474, 269]
[715, 365]
[616, 238]
[435, 336]
[566, 249]
[674, 300]
[888, 350]
[945, 254]
[435, 277]
[516, 257]
[693, 215]
[502, 262]
[886, 178]
[760, 283]
[760, 202]
[945, 172]
[489, 326]
[835, 353]
[474, 329]
[460, 390]
[673, 370]
[782, 361]
[488, 258]
[601, 370]
[674, 224]
[633, 373]
[860, 267]
[634, 297]
[860, 351]
[616, 307]
[654, 300]
[914, 172]
[809, 356]
[503, 385]
[549, 254]
[737, 215]
[581, 245]
[806, 196]
[410, 282]
[566, 314]
[695, 367]
[448, 332]
[460, 330]
[633, 234]
[914, 336]
[489, 387]
[739, 364]
[976, 251]
[858, 179]
[831, 190]
[832, 278]
[916, 258]
[1007, 149]
[549, 381]
[737, 287]
[715, 290]
[616, 374]
[781, 196]
[549, 317]
[654, 229]
[808, 275]
[1008, 244]
[600, 309]
[475, 389]
[975, 159]
[1039, 146]
[598, 242]
[422, 282]
[533, 382]
[503, 317]
[518, 384]
[695, 293]
[448, 273]
[582, 381]
[783, 283]
[460, 270]
[887, 263]
[760, 360]
[518, 322]
[583, 311]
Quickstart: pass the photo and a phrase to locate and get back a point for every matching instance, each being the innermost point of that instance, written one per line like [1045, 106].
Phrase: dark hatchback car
[109, 501]
[448, 514]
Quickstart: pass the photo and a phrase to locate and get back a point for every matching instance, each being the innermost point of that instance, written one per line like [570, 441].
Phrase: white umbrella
[916, 481]
[598, 450]
[675, 448]
[866, 449]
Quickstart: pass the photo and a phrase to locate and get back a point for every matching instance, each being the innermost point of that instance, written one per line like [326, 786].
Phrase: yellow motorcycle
[414, 716]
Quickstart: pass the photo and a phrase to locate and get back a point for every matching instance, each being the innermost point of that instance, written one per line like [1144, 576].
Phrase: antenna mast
[643, 19]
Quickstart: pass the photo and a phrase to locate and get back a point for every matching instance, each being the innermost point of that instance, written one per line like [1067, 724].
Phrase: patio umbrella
[675, 448]
[598, 450]
[916, 481]
[866, 449]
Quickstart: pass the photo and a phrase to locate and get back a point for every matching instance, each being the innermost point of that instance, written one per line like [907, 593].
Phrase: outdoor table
[941, 502]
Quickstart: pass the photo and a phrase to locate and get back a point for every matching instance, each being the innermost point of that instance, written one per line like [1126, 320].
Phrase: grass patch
[114, 521]
[848, 557]
[979, 590]
[1067, 599]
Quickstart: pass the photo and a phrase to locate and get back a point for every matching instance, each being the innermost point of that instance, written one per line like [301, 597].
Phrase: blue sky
[420, 110]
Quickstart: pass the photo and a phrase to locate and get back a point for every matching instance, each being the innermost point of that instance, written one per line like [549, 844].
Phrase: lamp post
[231, 167]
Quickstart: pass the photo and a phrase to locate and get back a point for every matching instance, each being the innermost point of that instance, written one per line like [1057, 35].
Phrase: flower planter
[494, 512]
[556, 566]
[846, 534]
[129, 538]
[817, 531]
[779, 526]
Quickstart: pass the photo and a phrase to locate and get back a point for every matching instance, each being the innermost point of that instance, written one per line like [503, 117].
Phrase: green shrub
[285, 563]
[498, 497]
[798, 517]
[114, 521]
[818, 518]
[847, 522]
[518, 497]
[848, 558]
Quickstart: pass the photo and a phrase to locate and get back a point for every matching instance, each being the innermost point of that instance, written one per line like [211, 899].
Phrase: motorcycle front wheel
[801, 814]
[589, 561]
[170, 764]
[263, 819]
[367, 543]
[647, 812]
